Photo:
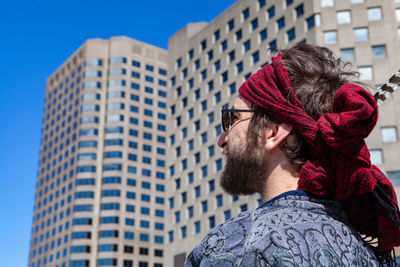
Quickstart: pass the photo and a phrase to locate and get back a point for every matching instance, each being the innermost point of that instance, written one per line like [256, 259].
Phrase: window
[224, 76]
[330, 37]
[197, 227]
[238, 35]
[210, 55]
[219, 200]
[178, 63]
[347, 54]
[280, 23]
[204, 206]
[211, 185]
[379, 51]
[211, 221]
[246, 13]
[394, 177]
[108, 233]
[256, 57]
[239, 67]
[197, 64]
[291, 34]
[210, 85]
[190, 211]
[231, 24]
[218, 164]
[314, 20]
[374, 13]
[327, 3]
[343, 17]
[263, 35]
[376, 156]
[273, 44]
[231, 56]
[93, 62]
[361, 34]
[204, 75]
[357, 1]
[178, 183]
[217, 65]
[254, 24]
[243, 207]
[247, 46]
[136, 63]
[177, 217]
[389, 134]
[117, 60]
[365, 73]
[197, 191]
[204, 171]
[299, 10]
[184, 197]
[144, 237]
[190, 144]
[190, 177]
[271, 12]
[183, 232]
[397, 13]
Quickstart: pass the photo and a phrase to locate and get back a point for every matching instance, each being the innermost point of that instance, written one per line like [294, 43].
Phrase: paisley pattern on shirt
[292, 230]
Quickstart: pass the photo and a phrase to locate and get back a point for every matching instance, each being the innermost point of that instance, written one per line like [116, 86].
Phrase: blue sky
[36, 38]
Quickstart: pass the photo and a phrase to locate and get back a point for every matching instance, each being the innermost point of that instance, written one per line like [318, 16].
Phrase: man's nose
[223, 139]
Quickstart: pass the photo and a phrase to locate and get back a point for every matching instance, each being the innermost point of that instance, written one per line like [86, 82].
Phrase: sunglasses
[228, 117]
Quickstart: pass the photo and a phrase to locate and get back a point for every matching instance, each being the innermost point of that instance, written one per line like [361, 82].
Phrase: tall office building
[101, 182]
[209, 61]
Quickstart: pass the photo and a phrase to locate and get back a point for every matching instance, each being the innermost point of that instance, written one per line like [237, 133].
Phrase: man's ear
[276, 134]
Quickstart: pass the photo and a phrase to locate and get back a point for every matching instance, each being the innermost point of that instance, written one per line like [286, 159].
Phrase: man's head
[315, 76]
[253, 145]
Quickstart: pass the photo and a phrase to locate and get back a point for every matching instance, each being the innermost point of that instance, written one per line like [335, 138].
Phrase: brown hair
[316, 75]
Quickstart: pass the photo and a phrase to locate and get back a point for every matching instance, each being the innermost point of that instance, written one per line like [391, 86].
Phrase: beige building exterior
[209, 61]
[101, 181]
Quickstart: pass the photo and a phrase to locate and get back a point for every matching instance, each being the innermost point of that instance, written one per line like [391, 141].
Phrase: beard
[245, 171]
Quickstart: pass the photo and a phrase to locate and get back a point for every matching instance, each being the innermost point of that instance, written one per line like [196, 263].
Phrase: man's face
[245, 170]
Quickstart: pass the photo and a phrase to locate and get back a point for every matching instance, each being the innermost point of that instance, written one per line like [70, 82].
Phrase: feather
[386, 90]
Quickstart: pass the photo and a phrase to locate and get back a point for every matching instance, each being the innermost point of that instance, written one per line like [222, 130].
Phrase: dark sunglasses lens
[225, 120]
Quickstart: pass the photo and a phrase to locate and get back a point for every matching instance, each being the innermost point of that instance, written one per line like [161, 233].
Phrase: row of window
[121, 94]
[378, 52]
[114, 248]
[123, 60]
[119, 142]
[360, 35]
[117, 193]
[115, 220]
[116, 206]
[108, 262]
[331, 3]
[119, 154]
[136, 86]
[120, 118]
[86, 263]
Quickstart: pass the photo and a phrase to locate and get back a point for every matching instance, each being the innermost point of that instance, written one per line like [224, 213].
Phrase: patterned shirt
[292, 229]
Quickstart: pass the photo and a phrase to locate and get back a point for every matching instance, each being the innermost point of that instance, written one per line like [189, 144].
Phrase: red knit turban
[340, 165]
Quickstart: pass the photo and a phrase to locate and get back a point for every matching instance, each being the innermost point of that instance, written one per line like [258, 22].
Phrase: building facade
[209, 61]
[101, 182]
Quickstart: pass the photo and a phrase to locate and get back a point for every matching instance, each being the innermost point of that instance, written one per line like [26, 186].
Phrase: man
[295, 135]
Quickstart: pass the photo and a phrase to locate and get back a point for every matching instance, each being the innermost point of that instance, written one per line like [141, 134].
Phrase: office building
[209, 61]
[101, 182]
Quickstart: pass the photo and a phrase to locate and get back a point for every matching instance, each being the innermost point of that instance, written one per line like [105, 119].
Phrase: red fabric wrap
[340, 166]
